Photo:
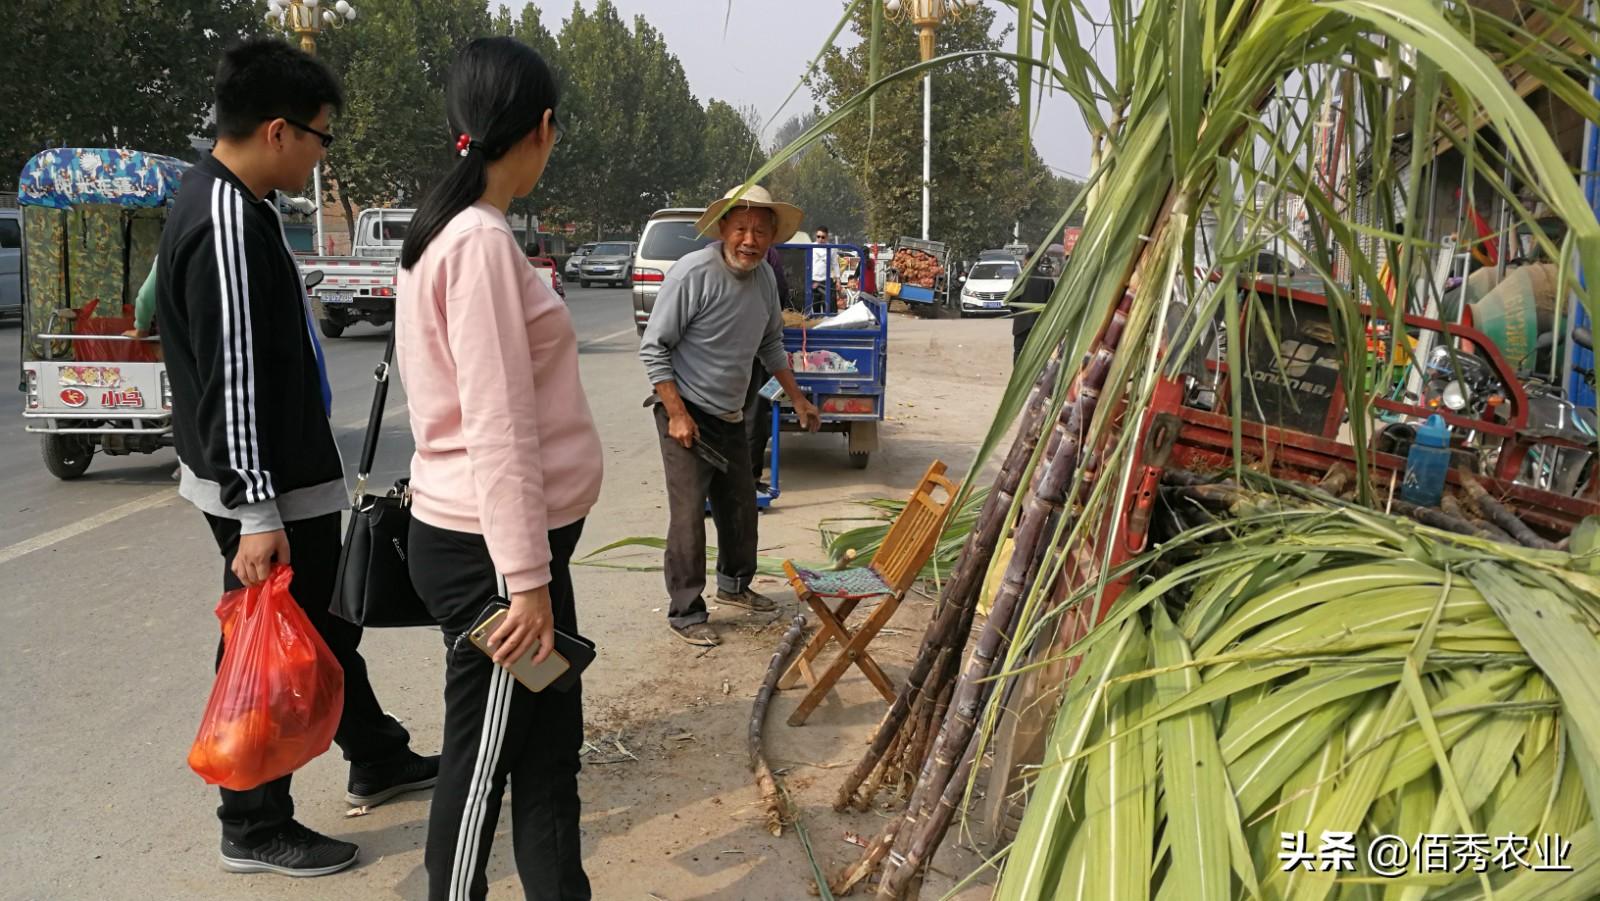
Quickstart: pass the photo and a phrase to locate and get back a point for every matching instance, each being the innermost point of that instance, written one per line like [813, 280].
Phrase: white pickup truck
[360, 287]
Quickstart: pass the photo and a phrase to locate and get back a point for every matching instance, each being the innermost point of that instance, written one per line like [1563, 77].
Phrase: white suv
[667, 237]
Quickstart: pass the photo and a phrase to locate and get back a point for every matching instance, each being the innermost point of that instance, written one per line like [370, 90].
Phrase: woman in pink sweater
[507, 466]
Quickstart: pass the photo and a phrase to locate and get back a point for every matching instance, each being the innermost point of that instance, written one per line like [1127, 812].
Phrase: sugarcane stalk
[1498, 514]
[1229, 496]
[870, 790]
[852, 877]
[960, 592]
[1439, 519]
[973, 688]
[771, 797]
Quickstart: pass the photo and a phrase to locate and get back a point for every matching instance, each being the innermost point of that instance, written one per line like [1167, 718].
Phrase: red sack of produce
[279, 692]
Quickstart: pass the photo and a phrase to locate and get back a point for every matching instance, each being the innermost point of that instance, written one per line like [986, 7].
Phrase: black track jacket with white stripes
[247, 409]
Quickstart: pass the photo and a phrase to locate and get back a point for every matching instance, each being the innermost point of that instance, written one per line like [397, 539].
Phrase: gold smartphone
[536, 676]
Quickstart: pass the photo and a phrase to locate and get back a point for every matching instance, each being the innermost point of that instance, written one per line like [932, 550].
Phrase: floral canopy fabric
[66, 177]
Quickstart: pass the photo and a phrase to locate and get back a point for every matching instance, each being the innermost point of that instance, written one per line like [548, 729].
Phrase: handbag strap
[369, 448]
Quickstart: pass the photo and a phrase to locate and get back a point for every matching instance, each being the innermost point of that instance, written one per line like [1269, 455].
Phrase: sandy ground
[99, 803]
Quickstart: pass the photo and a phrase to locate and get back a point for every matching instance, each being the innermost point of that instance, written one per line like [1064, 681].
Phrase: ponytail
[461, 188]
[499, 90]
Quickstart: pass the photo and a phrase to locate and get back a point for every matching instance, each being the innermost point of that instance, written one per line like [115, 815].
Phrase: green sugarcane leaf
[1311, 591]
[1565, 651]
[1193, 771]
[1028, 871]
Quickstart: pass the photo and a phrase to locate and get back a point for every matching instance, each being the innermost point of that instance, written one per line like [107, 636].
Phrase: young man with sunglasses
[250, 407]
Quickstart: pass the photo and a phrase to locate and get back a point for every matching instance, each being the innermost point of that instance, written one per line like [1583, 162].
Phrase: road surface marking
[604, 338]
[56, 536]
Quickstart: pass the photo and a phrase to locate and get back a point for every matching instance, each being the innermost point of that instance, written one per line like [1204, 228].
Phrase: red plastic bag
[279, 692]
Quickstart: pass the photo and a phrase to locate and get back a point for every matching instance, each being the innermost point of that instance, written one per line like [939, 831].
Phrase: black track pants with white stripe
[496, 730]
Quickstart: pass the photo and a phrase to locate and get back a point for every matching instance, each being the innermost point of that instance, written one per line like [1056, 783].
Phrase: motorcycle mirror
[313, 278]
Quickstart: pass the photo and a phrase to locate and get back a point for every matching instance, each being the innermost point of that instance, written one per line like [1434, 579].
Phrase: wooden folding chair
[906, 548]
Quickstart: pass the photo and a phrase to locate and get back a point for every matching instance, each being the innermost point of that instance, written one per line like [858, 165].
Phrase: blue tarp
[64, 177]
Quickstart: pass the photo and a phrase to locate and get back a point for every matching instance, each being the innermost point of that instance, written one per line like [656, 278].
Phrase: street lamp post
[926, 16]
[301, 18]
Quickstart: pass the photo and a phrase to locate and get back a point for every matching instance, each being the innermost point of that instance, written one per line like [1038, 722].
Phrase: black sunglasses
[324, 137]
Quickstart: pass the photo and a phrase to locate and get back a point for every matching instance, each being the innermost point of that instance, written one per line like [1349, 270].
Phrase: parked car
[610, 262]
[667, 237]
[571, 269]
[10, 264]
[986, 286]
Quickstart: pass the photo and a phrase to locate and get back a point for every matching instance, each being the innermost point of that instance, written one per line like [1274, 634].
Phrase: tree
[1053, 196]
[732, 151]
[135, 73]
[977, 155]
[394, 63]
[553, 199]
[669, 132]
[820, 182]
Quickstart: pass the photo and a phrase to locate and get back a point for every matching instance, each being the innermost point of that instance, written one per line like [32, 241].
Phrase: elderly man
[716, 311]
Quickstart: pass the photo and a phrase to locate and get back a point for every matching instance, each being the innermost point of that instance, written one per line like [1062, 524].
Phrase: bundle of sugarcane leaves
[1324, 702]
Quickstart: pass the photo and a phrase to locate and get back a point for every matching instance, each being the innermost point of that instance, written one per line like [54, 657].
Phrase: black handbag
[374, 587]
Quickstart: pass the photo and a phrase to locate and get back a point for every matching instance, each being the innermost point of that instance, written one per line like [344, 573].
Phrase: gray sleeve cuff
[261, 516]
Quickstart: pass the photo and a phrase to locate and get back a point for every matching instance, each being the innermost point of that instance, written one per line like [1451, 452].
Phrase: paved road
[38, 504]
[104, 636]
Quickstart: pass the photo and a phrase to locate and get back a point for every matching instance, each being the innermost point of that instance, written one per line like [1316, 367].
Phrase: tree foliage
[982, 174]
[820, 182]
[732, 151]
[393, 140]
[136, 73]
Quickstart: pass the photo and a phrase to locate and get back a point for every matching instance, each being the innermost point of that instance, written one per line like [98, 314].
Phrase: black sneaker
[293, 851]
[373, 784]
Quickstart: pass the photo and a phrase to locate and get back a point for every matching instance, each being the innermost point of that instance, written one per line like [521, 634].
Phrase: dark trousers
[757, 419]
[366, 734]
[690, 483]
[496, 730]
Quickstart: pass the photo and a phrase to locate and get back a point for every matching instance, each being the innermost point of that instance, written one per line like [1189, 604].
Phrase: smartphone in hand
[571, 655]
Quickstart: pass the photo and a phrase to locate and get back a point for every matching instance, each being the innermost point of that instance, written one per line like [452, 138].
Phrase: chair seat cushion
[855, 582]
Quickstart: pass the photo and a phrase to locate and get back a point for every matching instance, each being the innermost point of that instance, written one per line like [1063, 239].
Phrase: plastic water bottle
[1427, 463]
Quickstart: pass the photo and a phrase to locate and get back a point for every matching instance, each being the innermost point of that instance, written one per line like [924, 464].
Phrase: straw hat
[788, 215]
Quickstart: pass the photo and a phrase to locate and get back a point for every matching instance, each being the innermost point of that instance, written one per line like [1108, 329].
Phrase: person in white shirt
[821, 271]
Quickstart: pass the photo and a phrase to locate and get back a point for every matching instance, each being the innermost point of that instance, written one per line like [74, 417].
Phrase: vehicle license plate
[337, 296]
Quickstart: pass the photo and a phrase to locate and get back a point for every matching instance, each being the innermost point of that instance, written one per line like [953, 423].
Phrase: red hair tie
[463, 143]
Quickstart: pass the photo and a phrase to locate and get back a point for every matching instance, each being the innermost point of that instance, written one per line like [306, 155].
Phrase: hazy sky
[767, 46]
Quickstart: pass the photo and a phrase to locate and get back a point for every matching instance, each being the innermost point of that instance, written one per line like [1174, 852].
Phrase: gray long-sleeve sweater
[708, 323]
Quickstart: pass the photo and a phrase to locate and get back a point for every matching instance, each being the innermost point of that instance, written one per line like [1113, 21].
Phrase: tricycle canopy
[66, 178]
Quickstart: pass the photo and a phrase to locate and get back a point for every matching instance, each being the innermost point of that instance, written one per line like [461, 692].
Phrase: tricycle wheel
[333, 326]
[859, 461]
[67, 456]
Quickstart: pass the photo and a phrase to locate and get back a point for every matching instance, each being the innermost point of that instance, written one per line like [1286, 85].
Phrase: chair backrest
[915, 533]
